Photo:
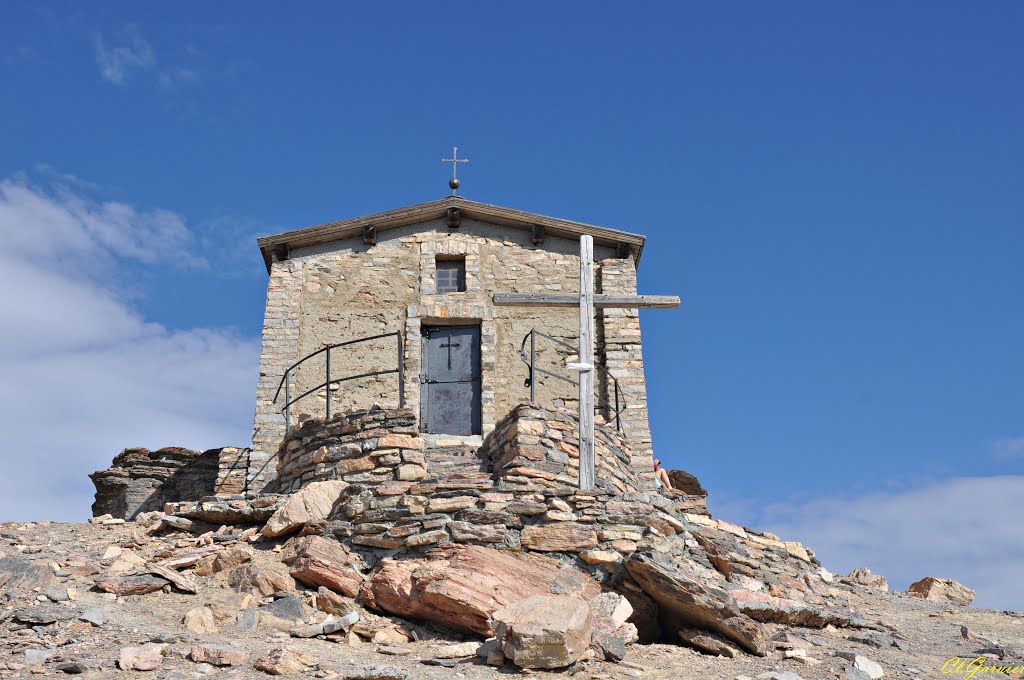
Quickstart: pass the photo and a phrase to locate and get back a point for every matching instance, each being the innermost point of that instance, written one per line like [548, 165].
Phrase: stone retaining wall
[368, 446]
[599, 525]
[519, 491]
[533, 442]
[140, 480]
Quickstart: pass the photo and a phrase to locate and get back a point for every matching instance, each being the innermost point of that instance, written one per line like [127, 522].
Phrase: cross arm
[573, 300]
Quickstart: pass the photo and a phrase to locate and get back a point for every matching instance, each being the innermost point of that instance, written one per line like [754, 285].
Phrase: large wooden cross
[587, 301]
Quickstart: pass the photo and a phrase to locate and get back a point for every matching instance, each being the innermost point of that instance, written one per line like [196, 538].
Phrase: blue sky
[835, 191]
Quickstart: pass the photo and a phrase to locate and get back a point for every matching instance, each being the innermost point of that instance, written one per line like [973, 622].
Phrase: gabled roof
[390, 219]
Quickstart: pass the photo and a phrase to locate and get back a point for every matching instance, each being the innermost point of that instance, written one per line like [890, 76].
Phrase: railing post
[401, 370]
[287, 402]
[618, 420]
[327, 385]
[533, 360]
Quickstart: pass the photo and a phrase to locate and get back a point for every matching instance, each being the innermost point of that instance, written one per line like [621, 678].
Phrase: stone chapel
[395, 309]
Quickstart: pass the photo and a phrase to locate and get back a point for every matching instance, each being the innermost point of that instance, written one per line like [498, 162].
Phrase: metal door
[450, 382]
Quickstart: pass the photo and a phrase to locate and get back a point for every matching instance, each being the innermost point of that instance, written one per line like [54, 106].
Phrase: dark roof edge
[400, 217]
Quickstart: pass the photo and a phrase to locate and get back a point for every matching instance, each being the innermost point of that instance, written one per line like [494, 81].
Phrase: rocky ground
[55, 619]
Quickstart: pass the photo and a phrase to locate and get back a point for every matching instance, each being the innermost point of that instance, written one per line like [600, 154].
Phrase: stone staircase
[454, 462]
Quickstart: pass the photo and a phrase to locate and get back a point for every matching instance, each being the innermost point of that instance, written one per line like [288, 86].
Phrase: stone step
[447, 460]
[450, 451]
[462, 468]
[439, 459]
[454, 471]
[469, 475]
[452, 439]
[455, 483]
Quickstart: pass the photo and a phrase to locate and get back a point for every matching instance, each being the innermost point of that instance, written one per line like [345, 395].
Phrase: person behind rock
[661, 478]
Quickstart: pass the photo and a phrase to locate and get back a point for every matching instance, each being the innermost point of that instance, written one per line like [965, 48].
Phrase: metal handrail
[326, 385]
[620, 397]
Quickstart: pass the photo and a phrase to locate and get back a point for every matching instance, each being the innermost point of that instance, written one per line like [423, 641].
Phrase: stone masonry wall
[139, 480]
[279, 350]
[371, 447]
[518, 491]
[534, 443]
[619, 343]
[347, 289]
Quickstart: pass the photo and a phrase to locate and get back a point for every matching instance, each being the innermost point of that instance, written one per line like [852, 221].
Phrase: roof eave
[399, 217]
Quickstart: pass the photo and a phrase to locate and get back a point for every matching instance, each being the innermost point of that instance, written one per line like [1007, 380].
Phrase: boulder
[311, 504]
[458, 650]
[126, 562]
[284, 612]
[613, 606]
[685, 483]
[140, 480]
[131, 585]
[686, 601]
[229, 559]
[942, 590]
[200, 620]
[768, 609]
[706, 643]
[330, 602]
[461, 586]
[43, 616]
[21, 575]
[180, 581]
[219, 655]
[863, 664]
[285, 661]
[611, 632]
[93, 615]
[147, 657]
[247, 619]
[317, 561]
[267, 580]
[38, 657]
[544, 631]
[862, 576]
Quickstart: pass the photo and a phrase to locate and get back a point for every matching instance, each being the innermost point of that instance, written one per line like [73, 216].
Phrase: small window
[451, 275]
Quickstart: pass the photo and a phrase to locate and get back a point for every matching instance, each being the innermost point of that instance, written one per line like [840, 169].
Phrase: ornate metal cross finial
[454, 160]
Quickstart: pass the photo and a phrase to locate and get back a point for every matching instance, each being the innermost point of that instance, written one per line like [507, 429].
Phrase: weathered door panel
[450, 384]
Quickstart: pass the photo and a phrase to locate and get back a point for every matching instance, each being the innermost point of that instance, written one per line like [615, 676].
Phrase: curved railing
[328, 381]
[531, 381]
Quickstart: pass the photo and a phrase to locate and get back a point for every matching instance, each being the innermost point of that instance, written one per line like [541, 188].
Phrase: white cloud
[1009, 448]
[965, 528]
[174, 78]
[117, 63]
[84, 374]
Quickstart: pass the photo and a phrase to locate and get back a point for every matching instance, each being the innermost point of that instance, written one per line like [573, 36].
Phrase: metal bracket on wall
[454, 218]
[370, 235]
[537, 234]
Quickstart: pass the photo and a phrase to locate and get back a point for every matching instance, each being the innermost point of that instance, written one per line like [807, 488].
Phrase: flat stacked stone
[140, 480]
[361, 447]
[518, 491]
[228, 509]
[535, 447]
